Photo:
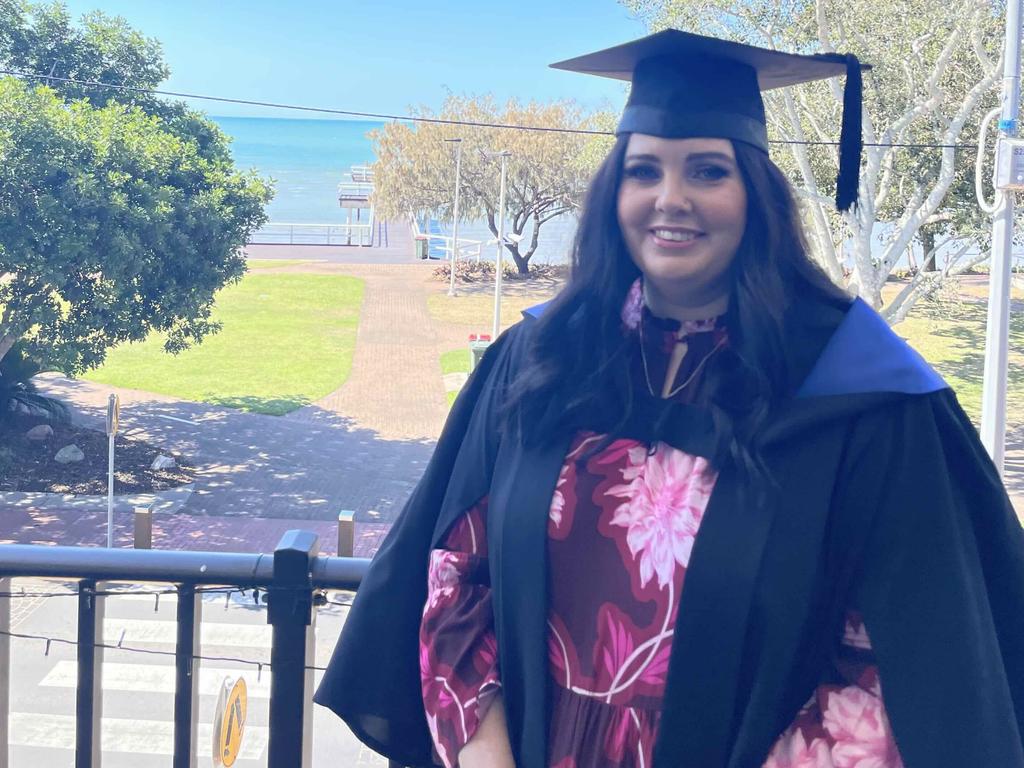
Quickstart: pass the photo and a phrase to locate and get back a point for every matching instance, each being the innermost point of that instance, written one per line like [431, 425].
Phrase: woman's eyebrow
[719, 156]
[644, 158]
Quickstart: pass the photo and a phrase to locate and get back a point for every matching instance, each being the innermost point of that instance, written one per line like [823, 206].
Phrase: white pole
[993, 396]
[500, 258]
[455, 223]
[113, 418]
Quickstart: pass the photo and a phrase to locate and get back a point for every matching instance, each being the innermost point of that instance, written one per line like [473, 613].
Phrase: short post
[346, 533]
[144, 527]
[290, 612]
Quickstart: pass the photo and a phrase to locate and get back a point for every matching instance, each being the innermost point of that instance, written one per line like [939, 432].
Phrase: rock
[69, 454]
[163, 462]
[40, 432]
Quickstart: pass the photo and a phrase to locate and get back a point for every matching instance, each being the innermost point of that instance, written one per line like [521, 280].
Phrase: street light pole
[500, 257]
[455, 223]
[993, 397]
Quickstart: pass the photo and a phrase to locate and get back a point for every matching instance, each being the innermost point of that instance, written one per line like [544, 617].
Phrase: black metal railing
[291, 576]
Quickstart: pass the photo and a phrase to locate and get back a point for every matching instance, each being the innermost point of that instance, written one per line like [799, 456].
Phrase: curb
[164, 502]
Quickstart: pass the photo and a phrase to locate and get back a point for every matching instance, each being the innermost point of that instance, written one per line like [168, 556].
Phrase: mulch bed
[27, 465]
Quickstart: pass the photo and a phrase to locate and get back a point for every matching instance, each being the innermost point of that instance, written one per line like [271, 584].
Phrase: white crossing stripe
[165, 632]
[155, 678]
[146, 737]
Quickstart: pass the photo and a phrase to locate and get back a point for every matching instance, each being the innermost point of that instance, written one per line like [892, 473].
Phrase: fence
[291, 578]
[313, 234]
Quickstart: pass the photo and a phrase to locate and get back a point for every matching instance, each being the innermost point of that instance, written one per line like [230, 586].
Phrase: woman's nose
[673, 197]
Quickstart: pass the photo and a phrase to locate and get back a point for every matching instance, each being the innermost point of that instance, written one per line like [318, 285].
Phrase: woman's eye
[642, 172]
[711, 172]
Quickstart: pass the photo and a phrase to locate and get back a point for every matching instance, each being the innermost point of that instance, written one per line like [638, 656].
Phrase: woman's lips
[675, 239]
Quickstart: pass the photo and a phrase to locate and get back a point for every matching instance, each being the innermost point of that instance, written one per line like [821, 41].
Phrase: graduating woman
[703, 509]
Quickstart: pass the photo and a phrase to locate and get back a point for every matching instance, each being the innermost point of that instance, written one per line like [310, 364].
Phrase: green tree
[936, 65]
[120, 214]
[547, 170]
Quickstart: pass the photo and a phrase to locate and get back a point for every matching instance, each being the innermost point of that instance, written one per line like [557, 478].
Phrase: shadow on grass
[964, 321]
[269, 406]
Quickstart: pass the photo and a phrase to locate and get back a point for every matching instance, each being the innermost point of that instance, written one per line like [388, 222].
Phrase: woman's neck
[700, 308]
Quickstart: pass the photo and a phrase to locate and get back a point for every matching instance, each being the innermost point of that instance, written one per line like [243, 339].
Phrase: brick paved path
[362, 447]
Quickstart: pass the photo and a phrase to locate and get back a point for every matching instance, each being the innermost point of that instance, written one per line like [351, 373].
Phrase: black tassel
[850, 141]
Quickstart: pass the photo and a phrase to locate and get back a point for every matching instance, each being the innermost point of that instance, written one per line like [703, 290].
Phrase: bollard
[346, 533]
[144, 527]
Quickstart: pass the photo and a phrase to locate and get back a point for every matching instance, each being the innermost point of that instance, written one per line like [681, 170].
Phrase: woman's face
[682, 208]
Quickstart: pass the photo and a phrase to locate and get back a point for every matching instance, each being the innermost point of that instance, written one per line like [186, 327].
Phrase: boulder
[69, 454]
[40, 433]
[163, 462]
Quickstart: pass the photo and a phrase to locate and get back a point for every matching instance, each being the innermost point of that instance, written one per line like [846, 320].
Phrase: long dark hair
[580, 358]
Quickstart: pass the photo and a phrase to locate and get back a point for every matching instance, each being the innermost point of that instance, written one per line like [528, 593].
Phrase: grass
[257, 264]
[454, 361]
[476, 311]
[286, 341]
[949, 331]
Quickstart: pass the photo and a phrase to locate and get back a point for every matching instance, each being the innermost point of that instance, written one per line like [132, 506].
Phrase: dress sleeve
[844, 725]
[458, 647]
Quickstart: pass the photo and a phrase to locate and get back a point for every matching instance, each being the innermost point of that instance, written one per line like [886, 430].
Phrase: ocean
[308, 158]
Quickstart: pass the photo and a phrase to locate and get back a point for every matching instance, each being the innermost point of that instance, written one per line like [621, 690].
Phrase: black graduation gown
[885, 502]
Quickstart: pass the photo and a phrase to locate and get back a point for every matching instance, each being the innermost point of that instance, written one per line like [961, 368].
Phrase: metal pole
[500, 258]
[110, 492]
[993, 397]
[455, 222]
[290, 612]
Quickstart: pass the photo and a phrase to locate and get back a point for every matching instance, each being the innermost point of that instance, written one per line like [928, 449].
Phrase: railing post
[290, 612]
[5, 671]
[186, 677]
[346, 533]
[89, 703]
[143, 537]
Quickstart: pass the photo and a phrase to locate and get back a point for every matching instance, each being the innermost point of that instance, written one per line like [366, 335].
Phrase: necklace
[673, 392]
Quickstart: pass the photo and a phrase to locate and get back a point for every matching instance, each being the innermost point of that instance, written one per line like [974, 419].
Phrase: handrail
[169, 566]
[290, 577]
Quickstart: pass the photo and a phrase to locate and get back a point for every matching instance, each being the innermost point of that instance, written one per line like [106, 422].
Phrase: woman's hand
[490, 746]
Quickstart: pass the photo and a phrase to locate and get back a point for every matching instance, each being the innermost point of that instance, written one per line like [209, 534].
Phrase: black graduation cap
[688, 86]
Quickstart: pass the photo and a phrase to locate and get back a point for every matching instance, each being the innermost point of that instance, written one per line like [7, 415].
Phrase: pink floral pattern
[664, 502]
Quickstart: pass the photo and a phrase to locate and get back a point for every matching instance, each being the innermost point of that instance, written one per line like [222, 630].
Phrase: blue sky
[377, 55]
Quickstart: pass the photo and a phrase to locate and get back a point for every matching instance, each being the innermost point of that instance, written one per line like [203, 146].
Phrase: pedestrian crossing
[154, 678]
[137, 727]
[119, 735]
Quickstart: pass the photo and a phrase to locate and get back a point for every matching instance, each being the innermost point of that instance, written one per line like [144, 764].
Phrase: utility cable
[411, 118]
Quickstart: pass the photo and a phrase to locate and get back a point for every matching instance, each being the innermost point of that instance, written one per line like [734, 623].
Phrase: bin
[421, 246]
[477, 346]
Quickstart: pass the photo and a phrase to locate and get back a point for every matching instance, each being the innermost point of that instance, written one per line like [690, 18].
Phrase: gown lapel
[518, 515]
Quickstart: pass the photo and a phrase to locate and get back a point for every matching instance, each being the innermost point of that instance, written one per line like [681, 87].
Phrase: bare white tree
[935, 67]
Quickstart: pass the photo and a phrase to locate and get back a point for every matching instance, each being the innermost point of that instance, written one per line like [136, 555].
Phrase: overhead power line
[408, 118]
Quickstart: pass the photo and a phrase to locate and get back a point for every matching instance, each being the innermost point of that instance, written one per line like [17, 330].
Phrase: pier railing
[291, 577]
[313, 234]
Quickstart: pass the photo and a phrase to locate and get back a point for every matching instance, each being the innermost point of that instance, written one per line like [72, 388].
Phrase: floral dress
[621, 527]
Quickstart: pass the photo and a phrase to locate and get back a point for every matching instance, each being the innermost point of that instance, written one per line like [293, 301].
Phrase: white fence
[314, 234]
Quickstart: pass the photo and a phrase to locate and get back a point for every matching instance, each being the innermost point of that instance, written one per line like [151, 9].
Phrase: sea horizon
[308, 157]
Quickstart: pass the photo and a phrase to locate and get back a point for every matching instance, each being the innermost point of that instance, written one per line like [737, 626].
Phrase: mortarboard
[688, 86]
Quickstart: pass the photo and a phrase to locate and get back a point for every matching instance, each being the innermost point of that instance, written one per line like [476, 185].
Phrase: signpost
[113, 418]
[229, 722]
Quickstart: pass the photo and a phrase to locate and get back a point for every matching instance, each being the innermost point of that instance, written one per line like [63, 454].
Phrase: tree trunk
[927, 235]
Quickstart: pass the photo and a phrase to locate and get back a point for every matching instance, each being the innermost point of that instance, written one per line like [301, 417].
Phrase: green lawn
[454, 361]
[286, 340]
[950, 333]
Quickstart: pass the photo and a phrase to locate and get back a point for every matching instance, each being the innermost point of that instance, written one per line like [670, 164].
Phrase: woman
[703, 510]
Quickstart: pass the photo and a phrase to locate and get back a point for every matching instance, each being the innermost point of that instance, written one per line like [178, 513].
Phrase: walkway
[362, 447]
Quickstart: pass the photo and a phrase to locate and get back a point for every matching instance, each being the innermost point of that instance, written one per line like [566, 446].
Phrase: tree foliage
[547, 170]
[936, 68]
[120, 214]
